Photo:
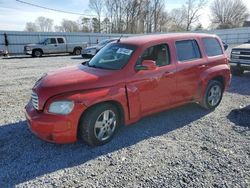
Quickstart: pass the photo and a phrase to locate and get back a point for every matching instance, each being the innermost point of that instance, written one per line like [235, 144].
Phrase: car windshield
[43, 41]
[103, 42]
[113, 56]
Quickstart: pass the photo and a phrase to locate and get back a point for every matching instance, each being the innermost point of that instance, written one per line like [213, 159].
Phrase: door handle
[202, 66]
[166, 74]
[55, 45]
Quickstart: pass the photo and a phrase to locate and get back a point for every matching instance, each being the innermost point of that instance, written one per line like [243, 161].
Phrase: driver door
[156, 88]
[51, 46]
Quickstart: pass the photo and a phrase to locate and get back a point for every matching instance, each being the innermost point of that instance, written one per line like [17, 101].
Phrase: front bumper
[240, 64]
[88, 52]
[28, 52]
[51, 127]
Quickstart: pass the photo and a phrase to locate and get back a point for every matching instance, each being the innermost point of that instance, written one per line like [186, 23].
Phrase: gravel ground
[184, 147]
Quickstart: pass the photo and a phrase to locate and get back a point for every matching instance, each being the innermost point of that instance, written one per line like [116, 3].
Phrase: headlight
[27, 48]
[61, 107]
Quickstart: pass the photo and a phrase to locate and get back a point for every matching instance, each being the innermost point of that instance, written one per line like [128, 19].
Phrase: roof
[140, 40]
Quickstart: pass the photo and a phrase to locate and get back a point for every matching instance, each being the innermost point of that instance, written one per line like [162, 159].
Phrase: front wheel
[213, 95]
[99, 124]
[37, 53]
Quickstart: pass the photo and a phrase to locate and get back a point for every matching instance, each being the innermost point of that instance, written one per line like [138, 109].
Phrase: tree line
[148, 16]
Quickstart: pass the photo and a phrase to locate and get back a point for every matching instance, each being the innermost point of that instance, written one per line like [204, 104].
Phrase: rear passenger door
[189, 63]
[61, 45]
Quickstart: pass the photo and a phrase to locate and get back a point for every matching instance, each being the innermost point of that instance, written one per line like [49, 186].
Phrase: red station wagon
[127, 80]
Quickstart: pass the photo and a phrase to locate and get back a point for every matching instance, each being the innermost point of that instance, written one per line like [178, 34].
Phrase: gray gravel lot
[184, 147]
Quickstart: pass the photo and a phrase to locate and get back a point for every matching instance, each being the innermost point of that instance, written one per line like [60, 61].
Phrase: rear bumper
[51, 127]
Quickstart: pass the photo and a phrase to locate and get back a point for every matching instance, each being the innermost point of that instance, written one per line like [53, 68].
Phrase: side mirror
[225, 46]
[146, 65]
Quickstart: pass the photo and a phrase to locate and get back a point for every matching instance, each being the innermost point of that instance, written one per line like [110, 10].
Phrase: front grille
[35, 100]
[240, 54]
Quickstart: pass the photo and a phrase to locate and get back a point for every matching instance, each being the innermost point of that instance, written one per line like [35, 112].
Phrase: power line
[52, 9]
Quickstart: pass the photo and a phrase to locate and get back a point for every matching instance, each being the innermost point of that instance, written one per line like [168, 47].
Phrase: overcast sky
[14, 15]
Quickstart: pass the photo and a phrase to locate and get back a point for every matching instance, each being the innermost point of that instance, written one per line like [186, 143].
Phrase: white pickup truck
[240, 59]
[53, 45]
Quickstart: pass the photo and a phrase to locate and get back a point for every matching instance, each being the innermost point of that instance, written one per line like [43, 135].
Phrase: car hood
[90, 48]
[34, 44]
[71, 79]
[243, 46]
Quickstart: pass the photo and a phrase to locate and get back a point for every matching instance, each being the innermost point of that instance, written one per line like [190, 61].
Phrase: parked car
[53, 45]
[90, 52]
[240, 59]
[125, 81]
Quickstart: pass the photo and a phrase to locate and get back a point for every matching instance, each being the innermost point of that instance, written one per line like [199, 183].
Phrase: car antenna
[119, 39]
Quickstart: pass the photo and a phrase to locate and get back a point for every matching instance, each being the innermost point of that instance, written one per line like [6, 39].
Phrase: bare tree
[70, 26]
[86, 24]
[31, 27]
[228, 13]
[106, 25]
[41, 24]
[44, 24]
[177, 17]
[192, 10]
[97, 6]
[157, 7]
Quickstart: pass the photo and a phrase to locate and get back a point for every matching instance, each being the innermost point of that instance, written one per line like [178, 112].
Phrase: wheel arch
[204, 83]
[116, 104]
[40, 49]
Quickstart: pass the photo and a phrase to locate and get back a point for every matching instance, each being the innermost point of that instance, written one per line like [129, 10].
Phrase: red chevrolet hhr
[125, 81]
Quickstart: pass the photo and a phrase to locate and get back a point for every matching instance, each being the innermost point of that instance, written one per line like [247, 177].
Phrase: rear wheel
[77, 51]
[99, 124]
[237, 71]
[213, 95]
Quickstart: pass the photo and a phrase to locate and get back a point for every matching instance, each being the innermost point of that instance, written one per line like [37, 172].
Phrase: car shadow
[240, 84]
[240, 117]
[77, 57]
[24, 157]
[29, 56]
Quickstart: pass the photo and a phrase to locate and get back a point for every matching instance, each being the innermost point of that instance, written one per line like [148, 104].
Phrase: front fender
[94, 96]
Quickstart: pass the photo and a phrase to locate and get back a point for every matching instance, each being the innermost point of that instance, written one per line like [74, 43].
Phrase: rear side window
[212, 46]
[60, 40]
[187, 50]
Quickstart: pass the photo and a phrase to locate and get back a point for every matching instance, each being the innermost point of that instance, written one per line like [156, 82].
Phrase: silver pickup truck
[240, 59]
[53, 45]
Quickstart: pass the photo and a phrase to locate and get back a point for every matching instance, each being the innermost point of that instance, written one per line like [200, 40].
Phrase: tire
[213, 95]
[99, 124]
[77, 51]
[237, 71]
[37, 53]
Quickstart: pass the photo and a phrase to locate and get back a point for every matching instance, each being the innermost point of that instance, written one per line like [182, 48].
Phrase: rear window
[60, 40]
[212, 46]
[187, 50]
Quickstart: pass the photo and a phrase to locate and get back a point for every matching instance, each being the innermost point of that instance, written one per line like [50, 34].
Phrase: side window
[212, 46]
[187, 50]
[51, 41]
[158, 53]
[60, 40]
